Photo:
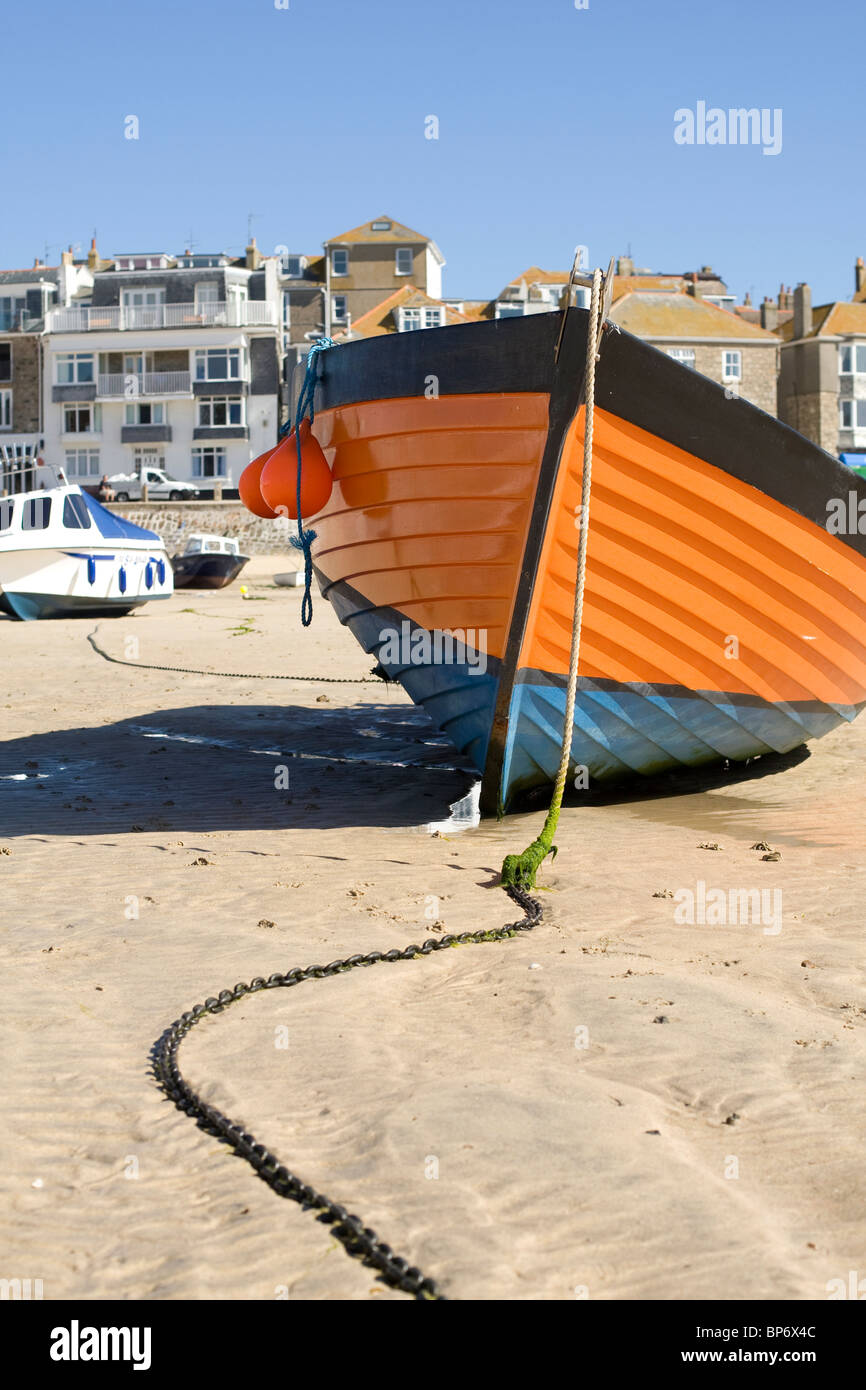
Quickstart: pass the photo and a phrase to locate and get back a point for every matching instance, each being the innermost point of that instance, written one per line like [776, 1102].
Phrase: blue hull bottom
[459, 698]
[620, 730]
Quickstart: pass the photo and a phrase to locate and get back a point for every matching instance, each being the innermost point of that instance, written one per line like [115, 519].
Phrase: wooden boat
[208, 562]
[724, 616]
[62, 554]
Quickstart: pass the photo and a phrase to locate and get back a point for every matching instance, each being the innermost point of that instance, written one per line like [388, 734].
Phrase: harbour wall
[175, 520]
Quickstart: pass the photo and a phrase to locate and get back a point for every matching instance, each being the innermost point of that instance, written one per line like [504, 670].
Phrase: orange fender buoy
[249, 486]
[279, 479]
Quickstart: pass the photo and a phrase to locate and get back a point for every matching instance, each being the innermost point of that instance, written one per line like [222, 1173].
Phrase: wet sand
[616, 1106]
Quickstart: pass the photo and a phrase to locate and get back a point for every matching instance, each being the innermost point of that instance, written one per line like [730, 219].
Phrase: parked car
[161, 486]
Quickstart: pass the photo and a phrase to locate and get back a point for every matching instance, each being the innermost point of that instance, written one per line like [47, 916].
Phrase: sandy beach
[619, 1105]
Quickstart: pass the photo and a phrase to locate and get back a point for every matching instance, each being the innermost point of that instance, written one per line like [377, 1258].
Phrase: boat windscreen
[116, 527]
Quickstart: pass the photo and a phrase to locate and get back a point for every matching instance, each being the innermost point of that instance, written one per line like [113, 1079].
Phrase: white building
[172, 361]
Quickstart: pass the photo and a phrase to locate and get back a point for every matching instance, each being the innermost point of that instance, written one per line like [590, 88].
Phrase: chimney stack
[625, 266]
[66, 257]
[859, 275]
[802, 311]
[769, 314]
[93, 256]
[254, 255]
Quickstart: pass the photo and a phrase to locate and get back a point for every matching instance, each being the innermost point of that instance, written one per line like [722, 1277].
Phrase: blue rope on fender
[305, 407]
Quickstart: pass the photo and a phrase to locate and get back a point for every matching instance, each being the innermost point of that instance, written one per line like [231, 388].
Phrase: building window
[852, 358]
[148, 458]
[732, 366]
[142, 299]
[75, 513]
[11, 311]
[5, 361]
[7, 509]
[208, 463]
[36, 514]
[82, 419]
[339, 308]
[405, 260]
[509, 311]
[82, 463]
[410, 320]
[380, 226]
[432, 318]
[684, 355]
[214, 411]
[287, 309]
[294, 266]
[339, 262]
[5, 410]
[219, 364]
[74, 368]
[144, 413]
[852, 415]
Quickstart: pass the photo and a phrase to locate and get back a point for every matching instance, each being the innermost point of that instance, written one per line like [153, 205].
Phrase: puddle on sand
[319, 755]
[47, 769]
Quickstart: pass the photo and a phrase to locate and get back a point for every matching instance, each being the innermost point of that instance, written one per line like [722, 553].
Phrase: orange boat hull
[722, 618]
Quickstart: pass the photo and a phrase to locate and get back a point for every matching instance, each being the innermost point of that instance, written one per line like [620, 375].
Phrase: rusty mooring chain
[357, 1239]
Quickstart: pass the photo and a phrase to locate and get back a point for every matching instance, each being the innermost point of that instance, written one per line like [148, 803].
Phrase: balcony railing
[135, 384]
[255, 313]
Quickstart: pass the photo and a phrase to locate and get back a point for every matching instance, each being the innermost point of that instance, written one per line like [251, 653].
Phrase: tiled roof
[631, 284]
[820, 321]
[681, 316]
[396, 232]
[32, 275]
[536, 276]
[380, 319]
[844, 318]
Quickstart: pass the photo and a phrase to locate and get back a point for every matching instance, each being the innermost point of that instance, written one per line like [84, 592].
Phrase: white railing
[255, 313]
[135, 384]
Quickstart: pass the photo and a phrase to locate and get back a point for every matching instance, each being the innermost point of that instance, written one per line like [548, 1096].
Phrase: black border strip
[498, 355]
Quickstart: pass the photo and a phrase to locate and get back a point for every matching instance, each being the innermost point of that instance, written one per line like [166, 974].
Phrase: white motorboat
[62, 553]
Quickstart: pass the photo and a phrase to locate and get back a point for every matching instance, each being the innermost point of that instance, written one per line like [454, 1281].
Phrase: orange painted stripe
[431, 504]
[682, 558]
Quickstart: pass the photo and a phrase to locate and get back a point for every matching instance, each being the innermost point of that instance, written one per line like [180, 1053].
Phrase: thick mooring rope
[521, 868]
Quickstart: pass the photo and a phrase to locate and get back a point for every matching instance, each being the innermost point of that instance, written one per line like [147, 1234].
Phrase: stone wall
[760, 369]
[175, 520]
[816, 415]
[24, 383]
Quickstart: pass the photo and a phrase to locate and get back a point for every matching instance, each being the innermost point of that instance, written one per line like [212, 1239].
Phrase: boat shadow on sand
[232, 767]
[249, 767]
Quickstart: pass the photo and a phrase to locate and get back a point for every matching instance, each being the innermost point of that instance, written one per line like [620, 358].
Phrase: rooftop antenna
[251, 217]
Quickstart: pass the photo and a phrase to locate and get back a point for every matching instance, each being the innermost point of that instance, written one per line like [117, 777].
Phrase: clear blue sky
[556, 128]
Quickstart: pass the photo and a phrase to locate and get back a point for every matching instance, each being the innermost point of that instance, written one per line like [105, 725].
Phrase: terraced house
[822, 381]
[24, 298]
[165, 360]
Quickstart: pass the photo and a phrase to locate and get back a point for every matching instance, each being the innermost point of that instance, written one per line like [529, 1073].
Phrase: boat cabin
[200, 544]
